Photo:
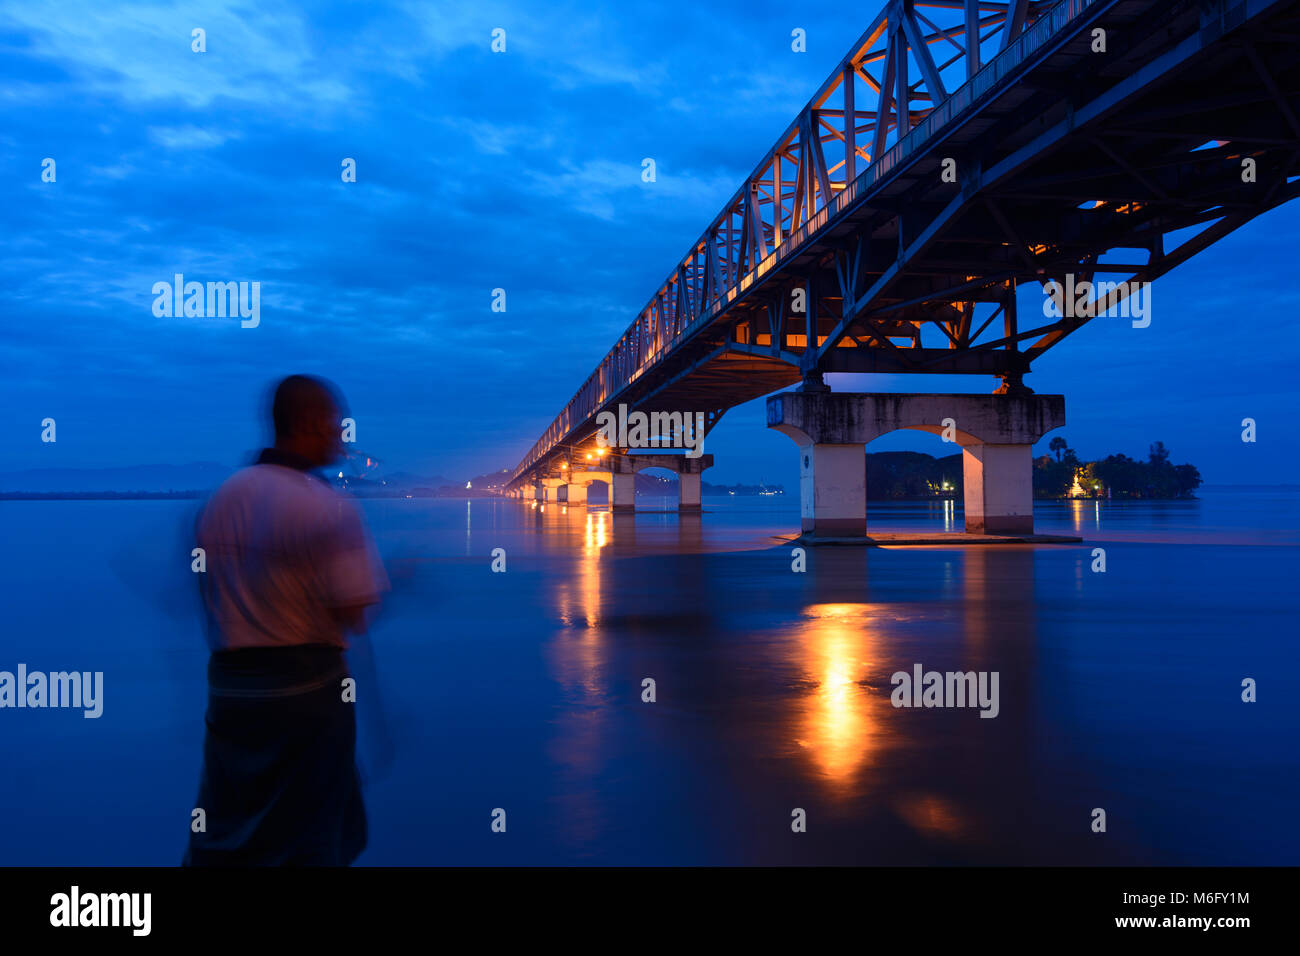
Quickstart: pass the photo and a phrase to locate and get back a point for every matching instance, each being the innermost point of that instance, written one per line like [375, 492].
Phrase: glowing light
[839, 718]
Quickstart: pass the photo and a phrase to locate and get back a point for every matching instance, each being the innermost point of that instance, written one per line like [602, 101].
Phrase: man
[291, 570]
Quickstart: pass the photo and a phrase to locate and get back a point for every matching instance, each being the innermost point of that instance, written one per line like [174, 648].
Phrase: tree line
[908, 474]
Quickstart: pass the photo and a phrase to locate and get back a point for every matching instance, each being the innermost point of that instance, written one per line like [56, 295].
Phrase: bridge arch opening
[657, 486]
[914, 465]
[597, 491]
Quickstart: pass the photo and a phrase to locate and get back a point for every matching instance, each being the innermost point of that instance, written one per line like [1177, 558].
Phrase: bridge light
[600, 451]
[588, 456]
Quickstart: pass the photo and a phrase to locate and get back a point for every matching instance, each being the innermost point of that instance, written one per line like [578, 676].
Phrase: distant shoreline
[98, 495]
[192, 495]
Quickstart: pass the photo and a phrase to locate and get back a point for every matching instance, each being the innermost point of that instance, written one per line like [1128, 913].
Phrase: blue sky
[475, 171]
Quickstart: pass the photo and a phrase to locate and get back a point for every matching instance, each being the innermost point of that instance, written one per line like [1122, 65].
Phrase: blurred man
[291, 570]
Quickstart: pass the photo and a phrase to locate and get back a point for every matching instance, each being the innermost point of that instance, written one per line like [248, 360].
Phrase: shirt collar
[277, 456]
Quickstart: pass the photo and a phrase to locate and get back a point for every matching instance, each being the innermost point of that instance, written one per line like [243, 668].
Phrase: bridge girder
[1060, 158]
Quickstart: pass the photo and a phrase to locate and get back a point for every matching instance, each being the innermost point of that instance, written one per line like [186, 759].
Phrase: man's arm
[354, 577]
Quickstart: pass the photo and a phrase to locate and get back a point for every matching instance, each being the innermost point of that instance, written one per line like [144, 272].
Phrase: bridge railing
[667, 321]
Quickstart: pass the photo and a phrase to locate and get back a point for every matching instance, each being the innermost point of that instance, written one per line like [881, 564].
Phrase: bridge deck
[1060, 153]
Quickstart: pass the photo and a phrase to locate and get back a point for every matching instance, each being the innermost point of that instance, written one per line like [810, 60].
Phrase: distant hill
[912, 474]
[405, 479]
[198, 476]
[493, 481]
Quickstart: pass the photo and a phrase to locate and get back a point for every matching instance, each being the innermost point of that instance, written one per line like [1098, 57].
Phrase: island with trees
[1060, 473]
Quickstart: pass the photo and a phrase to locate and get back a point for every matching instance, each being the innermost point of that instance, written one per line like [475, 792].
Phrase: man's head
[306, 415]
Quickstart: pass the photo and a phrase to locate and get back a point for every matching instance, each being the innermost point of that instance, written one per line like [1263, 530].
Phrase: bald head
[305, 414]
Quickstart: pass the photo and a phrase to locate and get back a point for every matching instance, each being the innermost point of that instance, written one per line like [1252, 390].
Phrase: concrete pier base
[999, 489]
[553, 488]
[689, 475]
[688, 491]
[622, 491]
[576, 494]
[833, 490]
[995, 433]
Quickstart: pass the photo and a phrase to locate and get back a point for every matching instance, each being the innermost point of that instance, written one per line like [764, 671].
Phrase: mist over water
[522, 690]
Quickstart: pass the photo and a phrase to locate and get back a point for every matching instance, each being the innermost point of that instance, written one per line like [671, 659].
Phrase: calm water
[522, 690]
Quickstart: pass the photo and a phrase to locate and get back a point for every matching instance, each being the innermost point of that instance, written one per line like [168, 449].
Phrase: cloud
[594, 186]
[141, 53]
[475, 171]
[189, 137]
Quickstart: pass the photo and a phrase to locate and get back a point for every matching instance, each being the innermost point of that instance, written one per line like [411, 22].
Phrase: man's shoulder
[276, 484]
[285, 497]
[253, 477]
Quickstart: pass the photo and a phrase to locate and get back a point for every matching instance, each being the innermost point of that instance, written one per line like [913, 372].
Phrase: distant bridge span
[1063, 145]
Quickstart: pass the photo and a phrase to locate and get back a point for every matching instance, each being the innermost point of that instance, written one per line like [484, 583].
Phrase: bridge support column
[576, 494]
[688, 491]
[689, 473]
[552, 488]
[622, 491]
[995, 432]
[999, 489]
[833, 490]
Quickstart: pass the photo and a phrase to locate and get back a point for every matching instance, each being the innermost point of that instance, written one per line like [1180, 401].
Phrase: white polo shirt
[283, 548]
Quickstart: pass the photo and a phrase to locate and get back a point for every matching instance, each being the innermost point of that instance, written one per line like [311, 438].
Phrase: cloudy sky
[475, 171]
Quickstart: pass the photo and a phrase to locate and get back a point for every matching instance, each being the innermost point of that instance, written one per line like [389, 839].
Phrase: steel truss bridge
[963, 147]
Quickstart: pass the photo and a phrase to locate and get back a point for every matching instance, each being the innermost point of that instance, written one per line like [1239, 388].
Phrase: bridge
[960, 149]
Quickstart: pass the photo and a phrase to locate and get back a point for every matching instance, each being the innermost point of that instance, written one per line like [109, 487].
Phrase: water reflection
[581, 740]
[1084, 511]
[774, 692]
[582, 590]
[838, 654]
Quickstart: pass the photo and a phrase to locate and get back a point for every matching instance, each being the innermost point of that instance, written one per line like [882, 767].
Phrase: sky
[477, 171]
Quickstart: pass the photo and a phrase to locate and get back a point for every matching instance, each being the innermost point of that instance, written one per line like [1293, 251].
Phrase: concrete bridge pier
[622, 491]
[688, 490]
[551, 488]
[578, 483]
[995, 433]
[689, 471]
[998, 488]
